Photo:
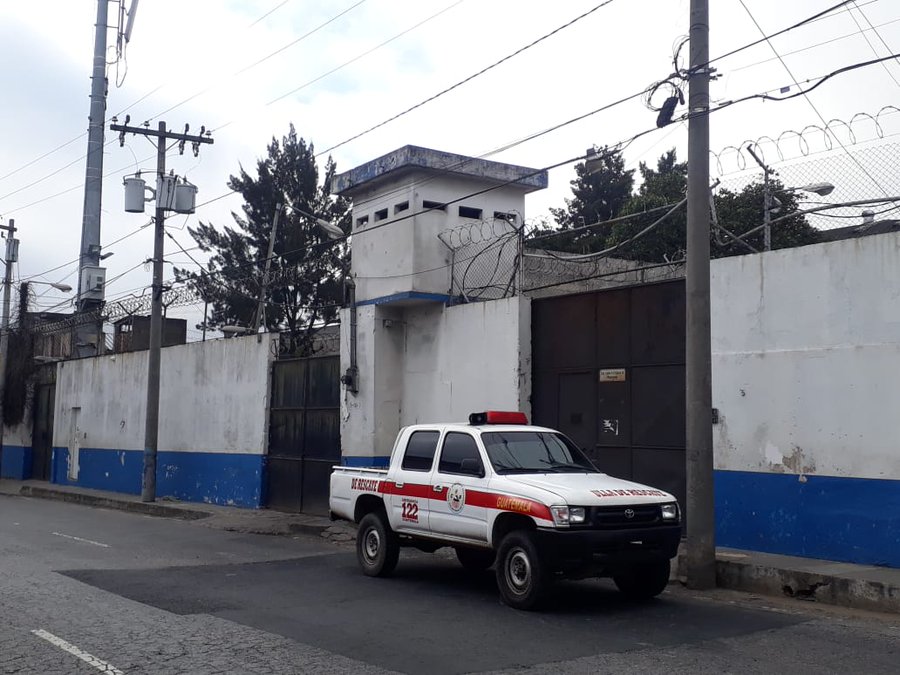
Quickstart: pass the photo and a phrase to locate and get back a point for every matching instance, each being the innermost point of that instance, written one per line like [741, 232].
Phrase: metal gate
[42, 416]
[609, 373]
[304, 433]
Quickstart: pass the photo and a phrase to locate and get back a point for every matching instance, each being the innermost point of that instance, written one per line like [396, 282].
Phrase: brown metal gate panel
[609, 373]
[304, 433]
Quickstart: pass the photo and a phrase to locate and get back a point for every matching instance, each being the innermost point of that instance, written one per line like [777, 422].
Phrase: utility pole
[164, 197]
[261, 307]
[12, 255]
[767, 200]
[701, 549]
[90, 299]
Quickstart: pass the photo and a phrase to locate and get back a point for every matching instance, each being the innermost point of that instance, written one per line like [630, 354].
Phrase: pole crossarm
[164, 135]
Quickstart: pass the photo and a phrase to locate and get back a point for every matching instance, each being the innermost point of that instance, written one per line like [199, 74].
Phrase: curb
[147, 508]
[844, 591]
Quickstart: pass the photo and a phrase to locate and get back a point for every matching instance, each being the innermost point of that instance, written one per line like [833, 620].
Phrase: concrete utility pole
[163, 196]
[701, 550]
[88, 335]
[261, 307]
[12, 255]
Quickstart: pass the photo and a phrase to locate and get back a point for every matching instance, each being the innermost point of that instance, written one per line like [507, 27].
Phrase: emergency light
[497, 417]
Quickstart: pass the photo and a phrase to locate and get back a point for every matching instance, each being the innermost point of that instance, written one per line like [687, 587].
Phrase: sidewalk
[229, 518]
[806, 579]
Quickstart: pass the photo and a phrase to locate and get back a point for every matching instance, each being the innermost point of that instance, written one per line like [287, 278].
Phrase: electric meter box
[93, 280]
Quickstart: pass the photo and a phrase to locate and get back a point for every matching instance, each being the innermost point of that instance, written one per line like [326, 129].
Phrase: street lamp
[331, 230]
[770, 202]
[65, 288]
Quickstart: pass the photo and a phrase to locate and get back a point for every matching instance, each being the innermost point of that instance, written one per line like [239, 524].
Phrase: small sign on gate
[612, 374]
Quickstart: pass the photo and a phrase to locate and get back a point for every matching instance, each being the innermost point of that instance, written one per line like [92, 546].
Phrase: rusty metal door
[42, 431]
[609, 372]
[304, 433]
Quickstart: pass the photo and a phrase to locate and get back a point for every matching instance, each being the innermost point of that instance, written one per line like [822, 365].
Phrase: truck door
[459, 484]
[410, 490]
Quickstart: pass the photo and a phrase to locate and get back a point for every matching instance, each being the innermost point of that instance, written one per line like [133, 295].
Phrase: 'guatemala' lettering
[513, 504]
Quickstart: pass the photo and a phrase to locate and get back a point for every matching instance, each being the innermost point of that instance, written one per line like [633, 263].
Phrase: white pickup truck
[522, 498]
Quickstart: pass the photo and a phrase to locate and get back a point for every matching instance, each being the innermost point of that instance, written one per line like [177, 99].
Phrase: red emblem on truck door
[456, 497]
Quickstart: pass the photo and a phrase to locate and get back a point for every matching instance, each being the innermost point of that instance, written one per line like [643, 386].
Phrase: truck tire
[643, 581]
[521, 576]
[475, 559]
[377, 548]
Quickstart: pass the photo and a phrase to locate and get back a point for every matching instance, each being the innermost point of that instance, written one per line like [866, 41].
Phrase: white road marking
[86, 541]
[99, 664]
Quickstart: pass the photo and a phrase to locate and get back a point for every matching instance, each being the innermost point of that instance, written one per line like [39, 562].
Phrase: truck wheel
[521, 577]
[643, 581]
[377, 548]
[475, 559]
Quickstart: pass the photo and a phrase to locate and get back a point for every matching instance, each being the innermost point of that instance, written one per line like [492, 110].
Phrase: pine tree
[307, 269]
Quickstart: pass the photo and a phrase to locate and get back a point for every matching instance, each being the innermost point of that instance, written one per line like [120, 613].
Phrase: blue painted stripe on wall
[16, 462]
[379, 462]
[847, 519]
[212, 477]
[405, 295]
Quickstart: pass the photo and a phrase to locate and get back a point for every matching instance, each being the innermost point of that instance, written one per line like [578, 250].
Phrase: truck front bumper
[597, 551]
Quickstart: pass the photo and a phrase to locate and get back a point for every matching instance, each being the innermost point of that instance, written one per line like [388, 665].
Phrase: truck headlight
[669, 511]
[576, 515]
[567, 515]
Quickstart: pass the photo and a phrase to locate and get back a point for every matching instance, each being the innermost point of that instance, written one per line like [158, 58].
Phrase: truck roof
[462, 426]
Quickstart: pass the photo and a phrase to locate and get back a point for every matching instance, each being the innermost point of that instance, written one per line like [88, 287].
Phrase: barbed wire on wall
[793, 144]
[850, 182]
[485, 257]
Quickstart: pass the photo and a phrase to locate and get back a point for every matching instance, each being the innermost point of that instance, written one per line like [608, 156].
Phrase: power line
[868, 42]
[243, 70]
[470, 77]
[122, 111]
[767, 38]
[354, 59]
[814, 46]
[805, 93]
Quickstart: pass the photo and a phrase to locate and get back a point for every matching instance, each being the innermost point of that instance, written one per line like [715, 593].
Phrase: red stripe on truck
[487, 500]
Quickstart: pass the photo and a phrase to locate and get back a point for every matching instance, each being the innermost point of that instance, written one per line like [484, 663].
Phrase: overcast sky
[180, 49]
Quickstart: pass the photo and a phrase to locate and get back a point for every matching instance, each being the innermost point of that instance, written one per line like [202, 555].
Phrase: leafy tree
[20, 364]
[598, 195]
[307, 270]
[667, 184]
[739, 212]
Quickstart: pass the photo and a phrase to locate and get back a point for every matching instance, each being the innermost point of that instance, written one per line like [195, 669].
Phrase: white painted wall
[19, 434]
[408, 256]
[431, 363]
[214, 398]
[466, 358]
[806, 359]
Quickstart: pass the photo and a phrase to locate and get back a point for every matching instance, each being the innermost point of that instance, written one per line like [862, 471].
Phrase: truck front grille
[642, 515]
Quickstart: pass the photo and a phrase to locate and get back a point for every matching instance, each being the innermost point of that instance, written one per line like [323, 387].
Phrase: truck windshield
[534, 452]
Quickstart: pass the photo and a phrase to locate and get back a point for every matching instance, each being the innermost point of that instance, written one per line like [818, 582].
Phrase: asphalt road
[87, 590]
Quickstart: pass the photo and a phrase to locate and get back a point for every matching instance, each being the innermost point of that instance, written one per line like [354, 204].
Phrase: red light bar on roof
[497, 417]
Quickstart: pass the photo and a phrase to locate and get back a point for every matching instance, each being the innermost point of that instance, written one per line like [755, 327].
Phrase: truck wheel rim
[371, 545]
[518, 571]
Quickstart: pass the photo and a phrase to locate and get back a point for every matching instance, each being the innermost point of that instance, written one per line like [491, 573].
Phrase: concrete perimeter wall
[212, 430]
[806, 365]
[432, 363]
[16, 460]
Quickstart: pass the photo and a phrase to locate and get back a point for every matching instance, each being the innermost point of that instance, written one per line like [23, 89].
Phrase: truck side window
[460, 455]
[420, 451]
